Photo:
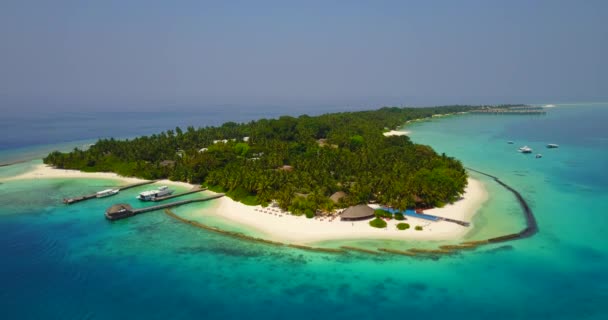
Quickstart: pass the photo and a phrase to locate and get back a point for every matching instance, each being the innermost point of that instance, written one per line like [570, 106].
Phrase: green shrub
[381, 213]
[309, 213]
[217, 188]
[250, 200]
[378, 213]
[418, 228]
[241, 195]
[378, 223]
[241, 148]
[399, 216]
[403, 226]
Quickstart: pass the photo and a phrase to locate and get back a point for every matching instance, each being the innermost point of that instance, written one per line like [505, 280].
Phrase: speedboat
[106, 193]
[525, 149]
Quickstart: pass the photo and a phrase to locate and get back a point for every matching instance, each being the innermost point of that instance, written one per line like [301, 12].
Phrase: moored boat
[539, 156]
[106, 193]
[552, 146]
[153, 194]
[525, 149]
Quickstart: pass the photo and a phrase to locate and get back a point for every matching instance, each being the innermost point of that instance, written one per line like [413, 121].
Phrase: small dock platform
[136, 185]
[123, 210]
[195, 190]
[94, 195]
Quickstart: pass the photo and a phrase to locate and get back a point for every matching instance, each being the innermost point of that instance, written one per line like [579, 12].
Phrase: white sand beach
[298, 229]
[396, 133]
[43, 171]
[283, 227]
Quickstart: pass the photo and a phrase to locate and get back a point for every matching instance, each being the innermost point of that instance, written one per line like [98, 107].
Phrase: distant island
[305, 164]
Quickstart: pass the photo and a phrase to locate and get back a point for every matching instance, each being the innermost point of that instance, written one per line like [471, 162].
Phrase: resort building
[337, 196]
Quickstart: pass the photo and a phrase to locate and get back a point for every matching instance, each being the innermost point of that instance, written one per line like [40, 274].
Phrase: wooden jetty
[195, 190]
[123, 210]
[94, 195]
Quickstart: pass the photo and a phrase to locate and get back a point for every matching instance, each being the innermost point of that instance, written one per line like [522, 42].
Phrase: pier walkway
[124, 210]
[94, 195]
[137, 185]
[174, 204]
[195, 190]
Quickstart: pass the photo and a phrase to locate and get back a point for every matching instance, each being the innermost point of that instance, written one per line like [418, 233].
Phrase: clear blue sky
[150, 54]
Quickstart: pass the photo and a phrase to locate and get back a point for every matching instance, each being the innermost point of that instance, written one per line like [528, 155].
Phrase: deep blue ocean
[68, 262]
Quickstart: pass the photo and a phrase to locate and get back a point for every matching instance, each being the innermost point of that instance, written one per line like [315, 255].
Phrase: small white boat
[538, 156]
[525, 149]
[552, 146]
[153, 194]
[106, 193]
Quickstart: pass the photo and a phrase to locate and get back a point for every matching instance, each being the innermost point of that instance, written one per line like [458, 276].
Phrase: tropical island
[306, 166]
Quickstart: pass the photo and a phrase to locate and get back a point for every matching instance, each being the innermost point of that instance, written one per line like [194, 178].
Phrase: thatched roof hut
[358, 212]
[337, 196]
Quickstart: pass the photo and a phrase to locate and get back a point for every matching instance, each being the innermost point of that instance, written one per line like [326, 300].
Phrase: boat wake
[549, 106]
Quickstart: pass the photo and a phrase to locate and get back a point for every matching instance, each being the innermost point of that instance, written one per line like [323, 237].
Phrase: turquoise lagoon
[62, 262]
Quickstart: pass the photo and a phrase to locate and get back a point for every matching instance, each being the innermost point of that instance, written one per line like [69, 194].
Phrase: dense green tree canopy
[298, 162]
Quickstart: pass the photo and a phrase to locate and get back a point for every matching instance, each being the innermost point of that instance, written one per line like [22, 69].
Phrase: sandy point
[396, 133]
[43, 171]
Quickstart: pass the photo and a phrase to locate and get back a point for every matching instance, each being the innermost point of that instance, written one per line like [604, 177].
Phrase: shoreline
[284, 227]
[43, 171]
[396, 133]
[299, 229]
